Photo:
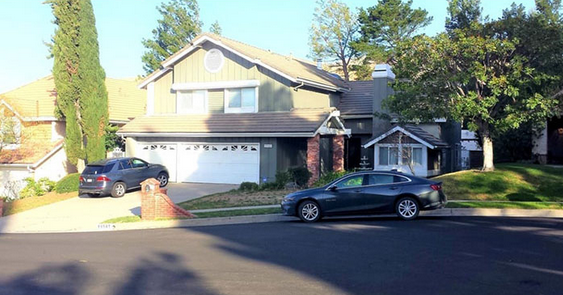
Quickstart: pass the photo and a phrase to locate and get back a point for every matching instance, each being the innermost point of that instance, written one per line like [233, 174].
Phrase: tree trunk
[345, 69]
[488, 164]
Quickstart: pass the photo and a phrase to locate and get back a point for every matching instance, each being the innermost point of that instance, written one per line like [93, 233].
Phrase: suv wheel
[118, 189]
[162, 178]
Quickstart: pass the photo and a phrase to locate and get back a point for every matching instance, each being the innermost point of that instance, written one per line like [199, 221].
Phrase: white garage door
[165, 154]
[219, 163]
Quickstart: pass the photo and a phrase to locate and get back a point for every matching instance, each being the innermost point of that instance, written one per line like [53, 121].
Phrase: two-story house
[36, 149]
[221, 111]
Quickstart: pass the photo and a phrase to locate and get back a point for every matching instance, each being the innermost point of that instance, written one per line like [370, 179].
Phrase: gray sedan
[373, 192]
[115, 176]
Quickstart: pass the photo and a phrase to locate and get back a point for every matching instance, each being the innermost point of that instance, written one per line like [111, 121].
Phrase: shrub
[248, 186]
[68, 183]
[46, 184]
[300, 175]
[329, 177]
[32, 189]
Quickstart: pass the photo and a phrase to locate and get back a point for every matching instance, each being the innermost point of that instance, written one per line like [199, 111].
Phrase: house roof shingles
[359, 101]
[295, 121]
[28, 153]
[291, 66]
[422, 134]
[37, 99]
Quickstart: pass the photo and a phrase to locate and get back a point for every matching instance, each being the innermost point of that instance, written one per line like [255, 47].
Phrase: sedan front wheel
[309, 211]
[407, 208]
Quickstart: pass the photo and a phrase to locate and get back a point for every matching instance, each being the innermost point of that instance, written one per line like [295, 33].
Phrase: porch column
[313, 158]
[338, 153]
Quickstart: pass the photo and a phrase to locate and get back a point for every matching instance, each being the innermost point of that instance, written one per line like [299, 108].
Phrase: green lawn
[509, 182]
[235, 198]
[21, 205]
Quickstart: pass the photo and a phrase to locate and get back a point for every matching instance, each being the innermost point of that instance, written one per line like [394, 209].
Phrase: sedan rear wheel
[407, 208]
[118, 189]
[309, 211]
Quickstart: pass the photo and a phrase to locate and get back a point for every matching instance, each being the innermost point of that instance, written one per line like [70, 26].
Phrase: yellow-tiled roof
[37, 99]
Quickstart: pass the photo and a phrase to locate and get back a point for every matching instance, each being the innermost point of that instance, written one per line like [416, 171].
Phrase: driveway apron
[85, 214]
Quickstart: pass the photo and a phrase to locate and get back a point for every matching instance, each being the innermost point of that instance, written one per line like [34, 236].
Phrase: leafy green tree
[215, 28]
[93, 94]
[383, 26]
[178, 26]
[463, 14]
[79, 80]
[65, 72]
[480, 74]
[334, 29]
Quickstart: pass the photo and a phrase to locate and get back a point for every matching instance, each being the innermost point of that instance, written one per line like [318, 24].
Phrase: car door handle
[393, 188]
[358, 190]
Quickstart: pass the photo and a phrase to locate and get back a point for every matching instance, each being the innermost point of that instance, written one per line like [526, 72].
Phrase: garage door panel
[218, 163]
[165, 154]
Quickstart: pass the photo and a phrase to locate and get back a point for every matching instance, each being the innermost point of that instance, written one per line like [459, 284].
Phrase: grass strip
[505, 205]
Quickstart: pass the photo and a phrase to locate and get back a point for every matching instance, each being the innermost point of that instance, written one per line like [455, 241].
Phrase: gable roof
[30, 153]
[414, 132]
[298, 122]
[36, 101]
[359, 100]
[291, 68]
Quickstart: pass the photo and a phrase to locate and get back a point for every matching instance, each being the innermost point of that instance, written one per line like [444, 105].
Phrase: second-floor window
[241, 100]
[191, 102]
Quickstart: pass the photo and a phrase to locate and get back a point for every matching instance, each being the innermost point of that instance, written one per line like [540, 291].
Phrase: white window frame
[205, 102]
[241, 109]
[400, 154]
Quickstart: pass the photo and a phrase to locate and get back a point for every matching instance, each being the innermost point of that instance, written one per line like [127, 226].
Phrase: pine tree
[79, 80]
[215, 28]
[93, 98]
[179, 25]
[65, 72]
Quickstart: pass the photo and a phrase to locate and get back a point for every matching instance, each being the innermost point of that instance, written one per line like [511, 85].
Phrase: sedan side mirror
[332, 188]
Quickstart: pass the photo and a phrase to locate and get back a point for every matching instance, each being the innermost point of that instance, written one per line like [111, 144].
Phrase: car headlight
[288, 199]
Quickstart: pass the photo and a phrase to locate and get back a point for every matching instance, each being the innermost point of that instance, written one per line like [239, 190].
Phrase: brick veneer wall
[1, 207]
[338, 153]
[313, 158]
[159, 205]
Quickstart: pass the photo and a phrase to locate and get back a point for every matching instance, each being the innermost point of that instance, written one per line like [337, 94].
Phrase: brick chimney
[382, 76]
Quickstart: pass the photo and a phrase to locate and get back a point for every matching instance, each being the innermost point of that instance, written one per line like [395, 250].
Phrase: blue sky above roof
[279, 25]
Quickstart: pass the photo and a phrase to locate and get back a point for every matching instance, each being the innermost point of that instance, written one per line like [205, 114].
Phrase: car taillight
[81, 179]
[102, 178]
[436, 187]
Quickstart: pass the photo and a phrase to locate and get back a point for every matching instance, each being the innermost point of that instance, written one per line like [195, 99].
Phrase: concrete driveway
[84, 213]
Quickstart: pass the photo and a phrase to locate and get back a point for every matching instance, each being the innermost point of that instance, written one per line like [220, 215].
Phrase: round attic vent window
[213, 60]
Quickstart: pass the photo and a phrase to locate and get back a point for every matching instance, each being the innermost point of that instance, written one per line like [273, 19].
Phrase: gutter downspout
[298, 86]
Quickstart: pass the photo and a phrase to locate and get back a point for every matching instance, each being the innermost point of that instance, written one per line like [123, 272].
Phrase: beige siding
[310, 99]
[274, 94]
[164, 99]
[215, 100]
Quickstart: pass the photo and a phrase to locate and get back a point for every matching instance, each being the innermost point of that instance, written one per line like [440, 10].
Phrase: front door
[381, 191]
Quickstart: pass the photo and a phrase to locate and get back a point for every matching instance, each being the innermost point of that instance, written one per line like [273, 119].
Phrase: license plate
[89, 180]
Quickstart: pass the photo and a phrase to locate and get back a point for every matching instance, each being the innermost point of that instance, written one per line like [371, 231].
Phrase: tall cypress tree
[65, 71]
[93, 98]
[79, 80]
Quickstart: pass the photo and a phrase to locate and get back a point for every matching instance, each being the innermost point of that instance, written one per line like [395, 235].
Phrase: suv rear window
[93, 169]
[97, 169]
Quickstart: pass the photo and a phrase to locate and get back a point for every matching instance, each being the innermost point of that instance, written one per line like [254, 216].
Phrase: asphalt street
[432, 255]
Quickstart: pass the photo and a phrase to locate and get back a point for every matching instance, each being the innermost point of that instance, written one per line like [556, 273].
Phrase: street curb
[197, 222]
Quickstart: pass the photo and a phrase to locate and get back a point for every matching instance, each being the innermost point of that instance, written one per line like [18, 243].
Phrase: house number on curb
[106, 226]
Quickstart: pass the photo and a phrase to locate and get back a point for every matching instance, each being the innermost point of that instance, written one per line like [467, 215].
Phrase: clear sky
[279, 25]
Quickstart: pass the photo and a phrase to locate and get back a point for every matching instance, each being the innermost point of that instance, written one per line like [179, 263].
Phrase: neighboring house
[221, 111]
[548, 145]
[38, 150]
[425, 149]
